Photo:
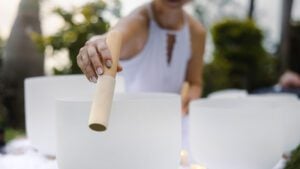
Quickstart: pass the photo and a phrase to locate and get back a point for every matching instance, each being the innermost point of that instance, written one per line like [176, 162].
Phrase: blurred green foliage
[239, 59]
[294, 162]
[80, 24]
[11, 134]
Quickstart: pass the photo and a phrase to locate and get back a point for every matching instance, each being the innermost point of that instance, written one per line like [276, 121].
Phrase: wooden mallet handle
[105, 86]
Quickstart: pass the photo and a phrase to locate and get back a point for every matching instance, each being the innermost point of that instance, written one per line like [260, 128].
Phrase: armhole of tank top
[136, 60]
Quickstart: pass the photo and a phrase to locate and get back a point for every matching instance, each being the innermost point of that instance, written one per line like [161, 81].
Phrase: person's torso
[150, 71]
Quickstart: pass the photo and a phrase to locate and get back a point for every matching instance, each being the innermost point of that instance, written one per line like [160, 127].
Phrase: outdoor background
[250, 43]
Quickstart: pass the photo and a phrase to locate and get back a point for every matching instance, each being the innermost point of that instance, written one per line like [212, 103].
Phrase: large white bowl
[143, 133]
[280, 97]
[40, 95]
[291, 126]
[289, 105]
[244, 133]
[228, 93]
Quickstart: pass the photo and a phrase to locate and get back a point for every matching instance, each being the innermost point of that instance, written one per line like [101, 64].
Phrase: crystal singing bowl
[144, 132]
[245, 133]
[289, 106]
[40, 95]
[228, 93]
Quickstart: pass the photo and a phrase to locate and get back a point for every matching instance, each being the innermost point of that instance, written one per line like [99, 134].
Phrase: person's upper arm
[134, 29]
[195, 64]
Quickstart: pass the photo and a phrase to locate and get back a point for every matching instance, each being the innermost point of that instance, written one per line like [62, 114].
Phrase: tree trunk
[294, 41]
[251, 9]
[21, 59]
[285, 34]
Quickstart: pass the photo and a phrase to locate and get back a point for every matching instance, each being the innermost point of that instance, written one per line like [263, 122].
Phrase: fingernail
[99, 71]
[108, 63]
[93, 79]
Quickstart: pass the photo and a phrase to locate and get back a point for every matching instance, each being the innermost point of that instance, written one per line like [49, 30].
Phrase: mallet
[105, 86]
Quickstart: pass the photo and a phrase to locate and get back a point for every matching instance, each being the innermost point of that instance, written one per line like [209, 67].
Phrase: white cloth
[21, 155]
[149, 71]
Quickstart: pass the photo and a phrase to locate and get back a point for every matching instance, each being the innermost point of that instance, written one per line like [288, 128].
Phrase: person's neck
[167, 18]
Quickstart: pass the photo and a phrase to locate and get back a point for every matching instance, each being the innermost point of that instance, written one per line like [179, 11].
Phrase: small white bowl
[40, 96]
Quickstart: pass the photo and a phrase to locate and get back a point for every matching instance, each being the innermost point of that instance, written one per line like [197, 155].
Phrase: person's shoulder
[196, 27]
[140, 14]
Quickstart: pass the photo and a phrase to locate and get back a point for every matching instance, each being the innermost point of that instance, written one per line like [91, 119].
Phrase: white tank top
[149, 70]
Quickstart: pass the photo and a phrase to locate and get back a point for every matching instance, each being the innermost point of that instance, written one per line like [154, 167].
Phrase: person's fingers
[95, 59]
[185, 104]
[90, 74]
[86, 66]
[79, 61]
[184, 112]
[80, 64]
[83, 60]
[105, 53]
[86, 70]
[119, 68]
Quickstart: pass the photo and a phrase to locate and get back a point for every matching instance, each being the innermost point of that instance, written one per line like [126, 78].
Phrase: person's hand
[185, 105]
[188, 94]
[93, 56]
[290, 80]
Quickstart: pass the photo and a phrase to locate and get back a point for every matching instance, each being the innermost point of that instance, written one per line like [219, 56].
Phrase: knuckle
[79, 56]
[85, 61]
[81, 49]
[79, 62]
[101, 45]
[92, 56]
[88, 42]
[92, 52]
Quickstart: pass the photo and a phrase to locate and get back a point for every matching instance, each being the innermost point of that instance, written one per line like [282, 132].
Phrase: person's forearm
[133, 29]
[134, 32]
[195, 91]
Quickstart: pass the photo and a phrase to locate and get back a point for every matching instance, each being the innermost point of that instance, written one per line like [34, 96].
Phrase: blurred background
[250, 43]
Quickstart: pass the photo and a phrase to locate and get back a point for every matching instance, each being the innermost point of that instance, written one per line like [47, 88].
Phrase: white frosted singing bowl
[289, 105]
[282, 97]
[40, 95]
[235, 133]
[143, 133]
[228, 93]
[291, 129]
